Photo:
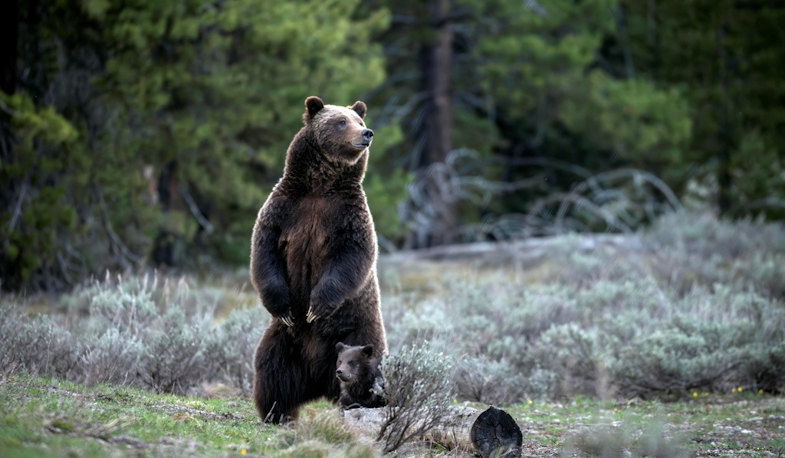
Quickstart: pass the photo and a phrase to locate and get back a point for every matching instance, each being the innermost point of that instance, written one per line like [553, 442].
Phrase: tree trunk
[727, 138]
[164, 244]
[436, 65]
[437, 73]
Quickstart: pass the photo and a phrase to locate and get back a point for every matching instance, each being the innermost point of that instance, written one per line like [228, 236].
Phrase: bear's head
[355, 363]
[339, 131]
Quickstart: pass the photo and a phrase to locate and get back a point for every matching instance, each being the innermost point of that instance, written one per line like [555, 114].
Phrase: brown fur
[360, 376]
[313, 255]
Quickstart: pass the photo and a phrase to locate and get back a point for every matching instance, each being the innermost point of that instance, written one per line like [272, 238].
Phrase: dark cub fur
[360, 376]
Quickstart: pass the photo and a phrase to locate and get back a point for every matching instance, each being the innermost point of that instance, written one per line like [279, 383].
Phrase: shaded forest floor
[48, 417]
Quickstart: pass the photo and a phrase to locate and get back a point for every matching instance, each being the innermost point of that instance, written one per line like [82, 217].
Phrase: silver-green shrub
[38, 344]
[666, 312]
[418, 388]
[145, 331]
[230, 349]
[695, 303]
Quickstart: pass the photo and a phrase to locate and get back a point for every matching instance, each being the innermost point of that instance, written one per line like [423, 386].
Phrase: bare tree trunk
[726, 135]
[436, 62]
[164, 244]
[438, 81]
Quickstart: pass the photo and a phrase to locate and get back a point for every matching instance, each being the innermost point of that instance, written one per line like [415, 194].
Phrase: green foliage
[144, 132]
[166, 132]
[633, 118]
[50, 417]
[533, 48]
[38, 208]
[727, 58]
[386, 186]
[541, 66]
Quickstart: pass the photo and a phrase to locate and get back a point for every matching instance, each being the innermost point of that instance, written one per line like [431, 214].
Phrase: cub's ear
[360, 108]
[339, 347]
[367, 351]
[313, 105]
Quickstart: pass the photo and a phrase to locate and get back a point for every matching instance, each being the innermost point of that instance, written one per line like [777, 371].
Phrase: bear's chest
[306, 237]
[308, 223]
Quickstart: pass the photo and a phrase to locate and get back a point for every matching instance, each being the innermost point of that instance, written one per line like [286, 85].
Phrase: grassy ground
[47, 417]
[50, 417]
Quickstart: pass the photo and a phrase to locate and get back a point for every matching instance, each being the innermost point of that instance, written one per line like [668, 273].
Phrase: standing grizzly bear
[313, 262]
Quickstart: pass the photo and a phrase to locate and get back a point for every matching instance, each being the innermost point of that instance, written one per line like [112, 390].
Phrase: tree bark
[436, 65]
[727, 138]
[437, 72]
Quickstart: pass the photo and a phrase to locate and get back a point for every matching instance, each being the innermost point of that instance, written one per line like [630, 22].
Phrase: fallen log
[492, 432]
[528, 252]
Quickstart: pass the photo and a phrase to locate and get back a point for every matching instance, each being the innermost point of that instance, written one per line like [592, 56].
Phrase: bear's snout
[366, 136]
[342, 376]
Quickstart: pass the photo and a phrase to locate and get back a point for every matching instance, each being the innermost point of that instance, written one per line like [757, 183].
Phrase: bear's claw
[287, 320]
[310, 317]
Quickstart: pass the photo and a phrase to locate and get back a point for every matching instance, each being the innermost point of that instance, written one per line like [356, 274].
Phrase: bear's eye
[342, 123]
[352, 363]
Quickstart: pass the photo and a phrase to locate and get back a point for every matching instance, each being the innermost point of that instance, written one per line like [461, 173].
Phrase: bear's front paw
[319, 310]
[288, 320]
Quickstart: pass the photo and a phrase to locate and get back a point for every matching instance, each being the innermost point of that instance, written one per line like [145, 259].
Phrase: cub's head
[354, 362]
[339, 131]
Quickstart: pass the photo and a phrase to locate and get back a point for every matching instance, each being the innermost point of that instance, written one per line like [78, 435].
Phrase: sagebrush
[146, 331]
[694, 304]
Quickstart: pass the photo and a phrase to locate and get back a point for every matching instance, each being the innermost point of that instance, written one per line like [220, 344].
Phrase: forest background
[136, 133]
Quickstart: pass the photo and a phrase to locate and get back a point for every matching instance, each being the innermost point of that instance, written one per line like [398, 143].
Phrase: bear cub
[360, 376]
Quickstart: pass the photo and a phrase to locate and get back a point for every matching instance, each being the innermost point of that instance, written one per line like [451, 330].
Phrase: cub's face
[340, 131]
[353, 362]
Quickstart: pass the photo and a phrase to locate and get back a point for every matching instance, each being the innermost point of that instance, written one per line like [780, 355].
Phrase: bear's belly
[305, 247]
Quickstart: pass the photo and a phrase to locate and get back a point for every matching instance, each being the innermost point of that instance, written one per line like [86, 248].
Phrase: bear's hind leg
[279, 382]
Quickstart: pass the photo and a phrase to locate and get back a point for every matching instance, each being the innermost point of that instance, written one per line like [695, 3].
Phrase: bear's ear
[313, 105]
[339, 347]
[360, 108]
[368, 351]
